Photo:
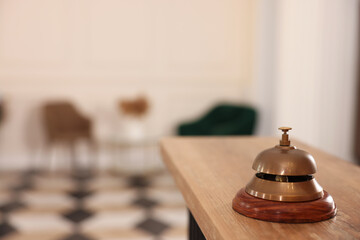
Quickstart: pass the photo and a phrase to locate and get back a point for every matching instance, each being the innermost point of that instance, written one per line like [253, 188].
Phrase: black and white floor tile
[87, 206]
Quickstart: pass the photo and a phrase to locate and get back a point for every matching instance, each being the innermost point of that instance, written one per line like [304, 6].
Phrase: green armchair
[224, 119]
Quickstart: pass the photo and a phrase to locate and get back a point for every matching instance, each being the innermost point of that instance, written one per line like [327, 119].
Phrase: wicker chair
[65, 125]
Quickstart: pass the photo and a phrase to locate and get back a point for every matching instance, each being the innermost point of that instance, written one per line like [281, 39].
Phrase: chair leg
[72, 151]
[53, 150]
[94, 158]
[50, 154]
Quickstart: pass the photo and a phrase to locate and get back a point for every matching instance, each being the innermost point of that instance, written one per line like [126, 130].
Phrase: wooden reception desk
[209, 172]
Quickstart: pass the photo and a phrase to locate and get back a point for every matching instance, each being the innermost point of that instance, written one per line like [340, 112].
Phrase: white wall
[184, 55]
[313, 76]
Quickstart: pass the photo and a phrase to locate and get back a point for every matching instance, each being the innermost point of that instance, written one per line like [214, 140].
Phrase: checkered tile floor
[85, 206]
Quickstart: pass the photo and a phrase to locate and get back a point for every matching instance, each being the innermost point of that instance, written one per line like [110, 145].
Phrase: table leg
[195, 232]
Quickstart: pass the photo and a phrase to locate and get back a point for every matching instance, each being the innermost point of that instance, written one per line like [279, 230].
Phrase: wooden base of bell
[284, 212]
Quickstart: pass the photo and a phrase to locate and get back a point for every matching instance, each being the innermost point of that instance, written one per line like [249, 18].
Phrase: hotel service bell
[284, 188]
[284, 173]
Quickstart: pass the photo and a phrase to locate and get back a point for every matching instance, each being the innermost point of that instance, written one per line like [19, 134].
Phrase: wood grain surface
[285, 212]
[210, 171]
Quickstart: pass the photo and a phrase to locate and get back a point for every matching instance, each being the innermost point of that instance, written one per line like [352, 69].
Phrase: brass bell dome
[284, 173]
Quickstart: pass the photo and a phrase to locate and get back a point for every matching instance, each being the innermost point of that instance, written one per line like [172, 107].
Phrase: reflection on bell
[284, 188]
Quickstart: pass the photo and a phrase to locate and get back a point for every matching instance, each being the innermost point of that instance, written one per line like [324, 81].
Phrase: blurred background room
[89, 87]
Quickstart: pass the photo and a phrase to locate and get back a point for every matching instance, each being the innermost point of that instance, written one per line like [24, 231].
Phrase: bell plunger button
[285, 137]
